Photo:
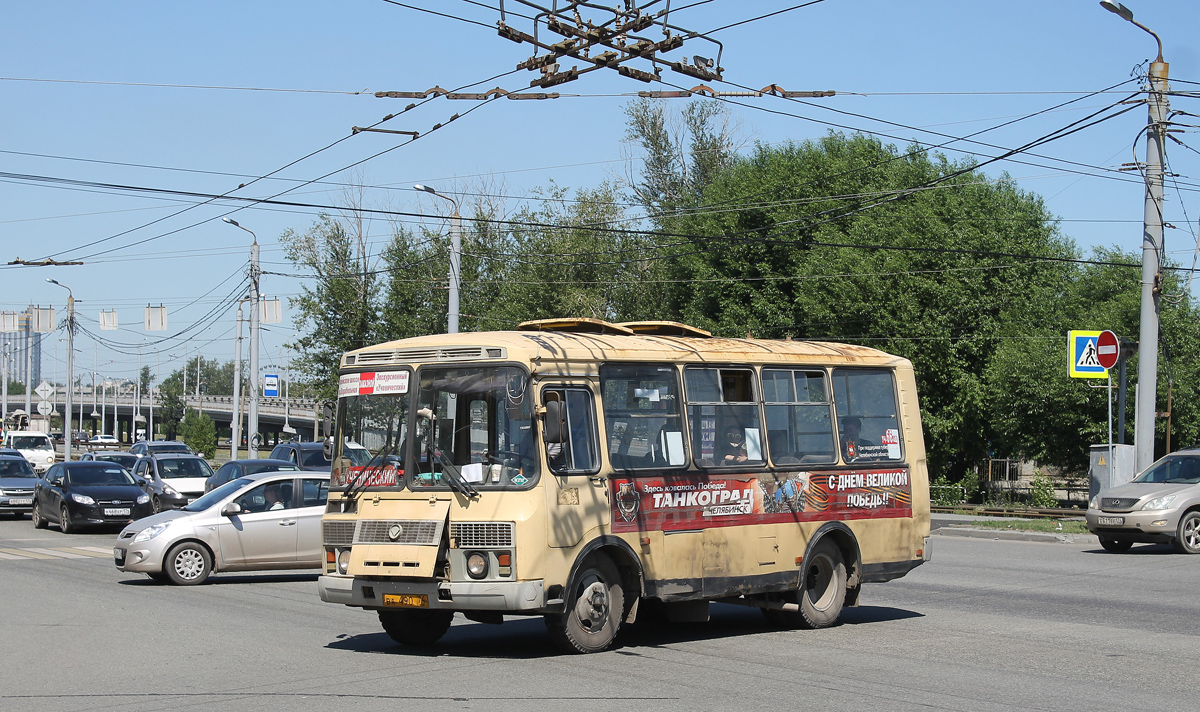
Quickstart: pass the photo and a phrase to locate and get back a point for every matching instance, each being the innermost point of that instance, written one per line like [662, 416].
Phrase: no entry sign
[1108, 349]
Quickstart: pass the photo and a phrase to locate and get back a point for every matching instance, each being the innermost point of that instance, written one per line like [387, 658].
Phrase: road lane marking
[10, 557]
[63, 554]
[87, 551]
[27, 554]
[97, 549]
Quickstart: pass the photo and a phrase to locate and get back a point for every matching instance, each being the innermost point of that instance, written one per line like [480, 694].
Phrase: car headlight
[169, 489]
[1159, 502]
[50, 457]
[150, 532]
[1094, 502]
[82, 498]
[143, 499]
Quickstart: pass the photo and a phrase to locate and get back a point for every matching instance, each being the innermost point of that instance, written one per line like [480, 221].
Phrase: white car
[104, 440]
[37, 447]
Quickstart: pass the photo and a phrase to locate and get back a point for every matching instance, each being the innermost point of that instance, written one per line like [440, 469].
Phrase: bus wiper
[350, 492]
[453, 477]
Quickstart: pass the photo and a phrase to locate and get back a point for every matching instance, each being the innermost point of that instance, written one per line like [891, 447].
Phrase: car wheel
[188, 564]
[1187, 537]
[64, 521]
[594, 609]
[1115, 546]
[416, 627]
[156, 504]
[822, 591]
[39, 522]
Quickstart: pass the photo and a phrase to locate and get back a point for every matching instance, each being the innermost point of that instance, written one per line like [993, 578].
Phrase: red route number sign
[1108, 349]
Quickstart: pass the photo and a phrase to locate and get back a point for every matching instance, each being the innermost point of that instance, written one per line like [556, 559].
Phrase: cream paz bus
[583, 471]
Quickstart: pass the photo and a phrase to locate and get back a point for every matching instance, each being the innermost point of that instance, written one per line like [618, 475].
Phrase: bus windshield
[371, 427]
[477, 423]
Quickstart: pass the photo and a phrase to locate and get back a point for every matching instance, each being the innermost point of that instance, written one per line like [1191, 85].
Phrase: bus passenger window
[867, 414]
[723, 414]
[642, 416]
[799, 417]
[579, 449]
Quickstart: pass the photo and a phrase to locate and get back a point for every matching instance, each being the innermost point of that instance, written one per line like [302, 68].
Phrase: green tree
[199, 432]
[171, 408]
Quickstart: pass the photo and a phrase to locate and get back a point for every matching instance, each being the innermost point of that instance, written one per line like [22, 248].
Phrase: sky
[272, 89]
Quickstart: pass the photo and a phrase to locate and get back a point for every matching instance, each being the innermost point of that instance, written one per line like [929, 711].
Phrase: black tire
[1115, 546]
[156, 504]
[187, 564]
[416, 627]
[595, 609]
[39, 522]
[822, 591]
[64, 521]
[1187, 536]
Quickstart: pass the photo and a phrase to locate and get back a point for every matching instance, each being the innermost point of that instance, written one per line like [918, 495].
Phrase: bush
[944, 493]
[199, 432]
[1041, 491]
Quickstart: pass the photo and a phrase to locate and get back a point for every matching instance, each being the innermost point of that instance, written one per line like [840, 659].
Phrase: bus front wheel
[822, 591]
[594, 609]
[416, 627]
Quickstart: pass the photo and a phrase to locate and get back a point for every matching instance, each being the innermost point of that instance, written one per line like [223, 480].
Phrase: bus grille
[472, 534]
[422, 532]
[338, 533]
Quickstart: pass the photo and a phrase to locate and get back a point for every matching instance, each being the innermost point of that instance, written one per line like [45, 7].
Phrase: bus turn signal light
[503, 558]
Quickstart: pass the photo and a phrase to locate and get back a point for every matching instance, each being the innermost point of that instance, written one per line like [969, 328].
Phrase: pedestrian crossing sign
[1085, 359]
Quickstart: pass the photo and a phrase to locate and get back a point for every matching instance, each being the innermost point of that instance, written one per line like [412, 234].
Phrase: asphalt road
[987, 625]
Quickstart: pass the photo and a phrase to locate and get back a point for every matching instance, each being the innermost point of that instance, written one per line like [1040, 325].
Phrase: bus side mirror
[327, 447]
[326, 417]
[554, 422]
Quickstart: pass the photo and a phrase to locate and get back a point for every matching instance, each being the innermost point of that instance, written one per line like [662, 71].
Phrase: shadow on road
[1137, 550]
[229, 579]
[526, 638]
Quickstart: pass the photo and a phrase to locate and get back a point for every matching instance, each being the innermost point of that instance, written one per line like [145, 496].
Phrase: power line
[763, 17]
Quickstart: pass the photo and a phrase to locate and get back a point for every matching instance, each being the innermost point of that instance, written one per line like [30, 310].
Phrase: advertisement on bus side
[699, 501]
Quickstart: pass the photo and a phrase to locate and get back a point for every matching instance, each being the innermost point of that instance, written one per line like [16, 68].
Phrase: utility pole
[455, 259]
[4, 411]
[235, 423]
[252, 426]
[68, 432]
[1145, 412]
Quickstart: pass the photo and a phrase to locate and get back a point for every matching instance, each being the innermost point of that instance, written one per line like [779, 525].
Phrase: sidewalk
[955, 525]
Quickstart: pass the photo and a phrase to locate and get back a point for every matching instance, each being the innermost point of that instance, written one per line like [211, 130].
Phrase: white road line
[97, 549]
[12, 557]
[52, 552]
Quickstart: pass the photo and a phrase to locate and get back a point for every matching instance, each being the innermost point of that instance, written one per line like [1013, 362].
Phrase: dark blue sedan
[79, 494]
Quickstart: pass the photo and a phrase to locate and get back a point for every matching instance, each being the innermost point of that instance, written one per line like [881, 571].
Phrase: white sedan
[104, 440]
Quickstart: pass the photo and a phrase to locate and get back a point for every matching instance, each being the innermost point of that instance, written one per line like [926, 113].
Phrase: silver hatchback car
[1160, 505]
[269, 520]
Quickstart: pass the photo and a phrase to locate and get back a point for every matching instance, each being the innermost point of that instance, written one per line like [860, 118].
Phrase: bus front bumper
[456, 596]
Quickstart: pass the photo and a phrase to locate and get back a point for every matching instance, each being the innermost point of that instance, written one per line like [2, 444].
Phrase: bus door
[578, 494]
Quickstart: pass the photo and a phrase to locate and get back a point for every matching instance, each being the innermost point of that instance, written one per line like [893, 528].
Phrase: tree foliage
[199, 433]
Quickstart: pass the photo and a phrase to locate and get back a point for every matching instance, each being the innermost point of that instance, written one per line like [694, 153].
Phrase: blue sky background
[929, 66]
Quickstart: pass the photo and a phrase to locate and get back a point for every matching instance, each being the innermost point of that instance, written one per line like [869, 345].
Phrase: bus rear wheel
[822, 591]
[416, 627]
[595, 607]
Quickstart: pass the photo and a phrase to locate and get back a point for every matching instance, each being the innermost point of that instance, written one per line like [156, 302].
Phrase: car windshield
[15, 468]
[1176, 469]
[31, 442]
[114, 475]
[180, 467]
[268, 467]
[217, 495]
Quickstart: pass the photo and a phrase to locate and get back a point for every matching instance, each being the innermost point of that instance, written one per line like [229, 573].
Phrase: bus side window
[578, 446]
[869, 428]
[642, 416]
[799, 417]
[723, 413]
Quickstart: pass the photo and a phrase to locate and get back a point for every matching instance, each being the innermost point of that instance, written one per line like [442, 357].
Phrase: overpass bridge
[301, 414]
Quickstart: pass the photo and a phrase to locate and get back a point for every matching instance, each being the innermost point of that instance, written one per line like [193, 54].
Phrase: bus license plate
[123, 512]
[1110, 521]
[406, 600]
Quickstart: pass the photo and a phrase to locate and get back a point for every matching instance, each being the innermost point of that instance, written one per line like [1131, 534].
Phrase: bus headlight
[477, 564]
[343, 561]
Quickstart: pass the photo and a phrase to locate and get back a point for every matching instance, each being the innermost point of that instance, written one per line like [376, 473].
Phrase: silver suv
[1160, 505]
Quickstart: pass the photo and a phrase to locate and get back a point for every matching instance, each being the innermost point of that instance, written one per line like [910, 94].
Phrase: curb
[996, 534]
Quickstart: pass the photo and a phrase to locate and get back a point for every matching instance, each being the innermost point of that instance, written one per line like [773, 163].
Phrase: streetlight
[252, 426]
[68, 431]
[455, 259]
[1152, 246]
